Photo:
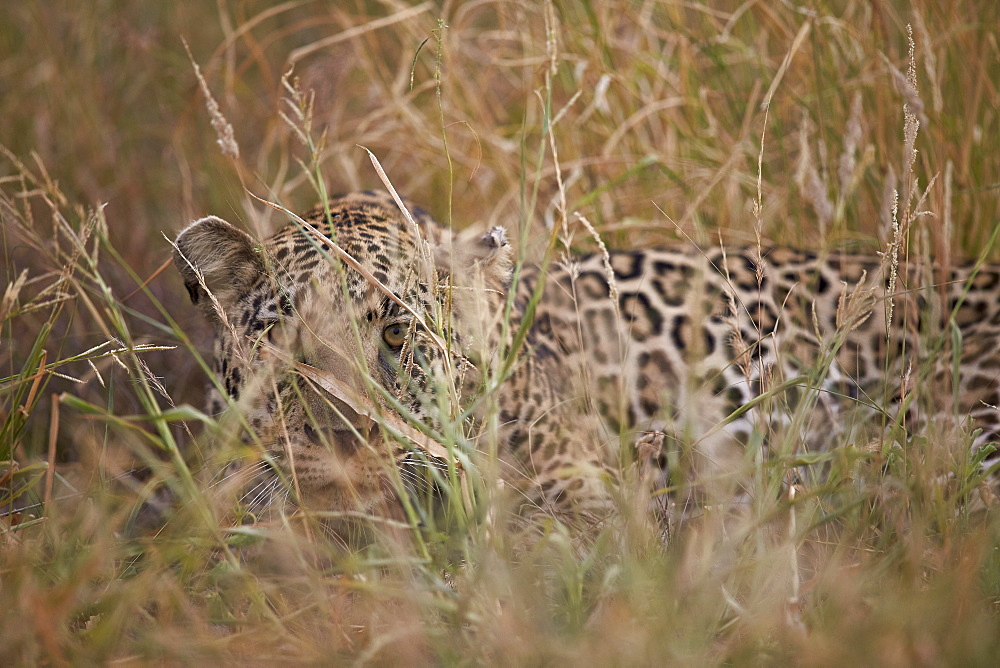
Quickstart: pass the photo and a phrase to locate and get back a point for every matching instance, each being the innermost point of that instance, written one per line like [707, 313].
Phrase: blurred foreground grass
[658, 115]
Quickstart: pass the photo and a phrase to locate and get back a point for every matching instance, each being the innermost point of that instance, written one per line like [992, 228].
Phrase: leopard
[365, 317]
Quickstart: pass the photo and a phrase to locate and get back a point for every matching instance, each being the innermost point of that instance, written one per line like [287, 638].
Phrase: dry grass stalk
[855, 305]
[53, 439]
[891, 257]
[608, 271]
[930, 59]
[225, 136]
[913, 110]
[407, 14]
[426, 256]
[808, 178]
[11, 294]
[846, 173]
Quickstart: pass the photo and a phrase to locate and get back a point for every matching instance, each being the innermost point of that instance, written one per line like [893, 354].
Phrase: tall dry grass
[653, 121]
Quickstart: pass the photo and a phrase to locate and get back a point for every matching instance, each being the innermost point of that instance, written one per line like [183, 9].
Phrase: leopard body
[655, 356]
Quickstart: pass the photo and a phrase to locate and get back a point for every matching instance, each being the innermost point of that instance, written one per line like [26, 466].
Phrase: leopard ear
[495, 256]
[214, 257]
[487, 258]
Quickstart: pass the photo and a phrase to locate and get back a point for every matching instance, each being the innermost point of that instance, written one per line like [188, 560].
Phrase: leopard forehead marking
[690, 339]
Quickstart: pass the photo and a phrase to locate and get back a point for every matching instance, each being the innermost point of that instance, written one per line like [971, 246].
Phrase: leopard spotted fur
[684, 353]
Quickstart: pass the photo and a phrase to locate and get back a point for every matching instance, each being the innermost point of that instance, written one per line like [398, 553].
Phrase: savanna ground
[656, 121]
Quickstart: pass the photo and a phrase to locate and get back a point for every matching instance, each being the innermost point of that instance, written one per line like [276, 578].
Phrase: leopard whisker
[261, 491]
[250, 470]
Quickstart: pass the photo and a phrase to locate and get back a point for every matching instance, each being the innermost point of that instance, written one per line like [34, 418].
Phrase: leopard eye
[395, 335]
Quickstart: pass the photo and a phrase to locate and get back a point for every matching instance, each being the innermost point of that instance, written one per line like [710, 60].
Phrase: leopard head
[350, 313]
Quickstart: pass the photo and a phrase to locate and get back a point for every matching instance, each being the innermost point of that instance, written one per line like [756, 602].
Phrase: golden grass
[668, 120]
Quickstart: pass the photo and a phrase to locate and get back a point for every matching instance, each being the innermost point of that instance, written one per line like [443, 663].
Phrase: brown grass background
[660, 113]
